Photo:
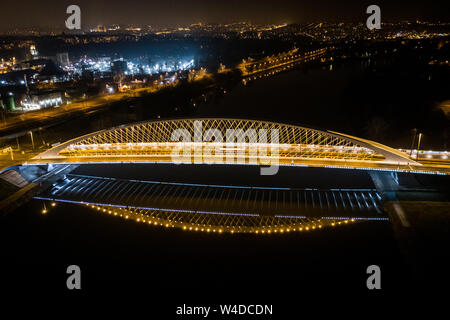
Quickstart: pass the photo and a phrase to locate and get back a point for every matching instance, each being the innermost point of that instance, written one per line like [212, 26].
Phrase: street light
[32, 141]
[413, 140]
[418, 145]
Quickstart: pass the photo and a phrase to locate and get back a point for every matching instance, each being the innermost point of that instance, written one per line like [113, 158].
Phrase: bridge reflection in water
[219, 208]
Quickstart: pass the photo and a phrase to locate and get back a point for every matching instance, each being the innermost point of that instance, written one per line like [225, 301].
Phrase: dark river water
[118, 254]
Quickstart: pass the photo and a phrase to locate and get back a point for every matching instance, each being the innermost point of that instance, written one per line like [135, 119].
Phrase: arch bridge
[220, 140]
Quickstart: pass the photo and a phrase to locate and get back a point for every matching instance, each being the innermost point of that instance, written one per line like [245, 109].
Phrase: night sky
[17, 14]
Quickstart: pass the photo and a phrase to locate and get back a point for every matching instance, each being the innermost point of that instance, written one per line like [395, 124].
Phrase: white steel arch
[155, 139]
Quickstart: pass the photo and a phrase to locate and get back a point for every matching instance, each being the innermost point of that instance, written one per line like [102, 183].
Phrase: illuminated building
[42, 100]
[33, 50]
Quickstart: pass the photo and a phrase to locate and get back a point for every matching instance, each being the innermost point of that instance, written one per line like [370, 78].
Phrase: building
[63, 59]
[36, 64]
[33, 51]
[119, 67]
[40, 100]
[52, 72]
[7, 102]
